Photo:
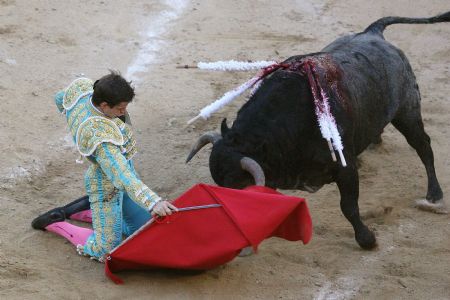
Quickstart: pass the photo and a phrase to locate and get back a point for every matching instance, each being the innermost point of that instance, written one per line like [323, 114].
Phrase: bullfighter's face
[115, 111]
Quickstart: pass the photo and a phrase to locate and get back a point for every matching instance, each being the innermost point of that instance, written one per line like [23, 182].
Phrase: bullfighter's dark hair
[112, 89]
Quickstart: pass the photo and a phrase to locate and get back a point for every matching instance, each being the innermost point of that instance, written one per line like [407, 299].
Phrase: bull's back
[377, 79]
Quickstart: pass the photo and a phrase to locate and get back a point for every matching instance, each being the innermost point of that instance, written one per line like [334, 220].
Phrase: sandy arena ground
[45, 44]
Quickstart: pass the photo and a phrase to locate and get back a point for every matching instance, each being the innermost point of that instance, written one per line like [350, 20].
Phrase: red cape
[206, 238]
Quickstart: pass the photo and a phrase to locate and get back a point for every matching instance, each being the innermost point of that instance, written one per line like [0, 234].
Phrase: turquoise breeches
[114, 214]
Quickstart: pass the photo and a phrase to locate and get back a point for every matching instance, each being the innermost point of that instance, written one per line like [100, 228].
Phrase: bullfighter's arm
[59, 97]
[123, 176]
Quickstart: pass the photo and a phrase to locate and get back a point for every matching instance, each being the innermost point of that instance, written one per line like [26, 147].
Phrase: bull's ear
[224, 127]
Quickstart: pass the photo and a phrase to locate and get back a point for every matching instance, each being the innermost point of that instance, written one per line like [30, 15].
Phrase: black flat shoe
[50, 217]
[76, 206]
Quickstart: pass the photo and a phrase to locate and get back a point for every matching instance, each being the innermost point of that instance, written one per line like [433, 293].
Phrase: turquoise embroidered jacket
[107, 143]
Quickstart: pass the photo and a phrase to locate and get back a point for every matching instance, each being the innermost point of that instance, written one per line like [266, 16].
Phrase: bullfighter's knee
[366, 238]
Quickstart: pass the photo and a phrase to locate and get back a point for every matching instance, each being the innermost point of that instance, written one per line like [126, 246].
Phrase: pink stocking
[75, 234]
[83, 216]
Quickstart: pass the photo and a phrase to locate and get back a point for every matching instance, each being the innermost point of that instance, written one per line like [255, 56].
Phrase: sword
[198, 207]
[159, 219]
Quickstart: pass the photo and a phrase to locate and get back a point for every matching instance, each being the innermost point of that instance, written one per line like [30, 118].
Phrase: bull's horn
[206, 138]
[251, 166]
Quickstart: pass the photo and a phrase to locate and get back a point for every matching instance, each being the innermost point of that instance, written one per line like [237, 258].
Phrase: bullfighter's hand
[163, 208]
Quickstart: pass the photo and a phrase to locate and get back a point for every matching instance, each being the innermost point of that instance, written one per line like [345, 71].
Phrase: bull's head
[274, 140]
[228, 166]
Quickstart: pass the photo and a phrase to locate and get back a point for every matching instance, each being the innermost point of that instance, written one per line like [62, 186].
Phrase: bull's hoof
[366, 239]
[438, 207]
[50, 217]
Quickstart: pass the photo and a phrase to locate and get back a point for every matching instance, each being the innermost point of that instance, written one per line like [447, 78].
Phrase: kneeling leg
[107, 225]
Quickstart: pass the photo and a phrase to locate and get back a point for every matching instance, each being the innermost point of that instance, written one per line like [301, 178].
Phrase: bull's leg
[348, 183]
[411, 126]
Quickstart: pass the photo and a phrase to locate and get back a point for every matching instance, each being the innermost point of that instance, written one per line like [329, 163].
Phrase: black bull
[275, 139]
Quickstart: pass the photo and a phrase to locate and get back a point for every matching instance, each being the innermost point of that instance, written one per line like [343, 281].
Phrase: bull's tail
[379, 25]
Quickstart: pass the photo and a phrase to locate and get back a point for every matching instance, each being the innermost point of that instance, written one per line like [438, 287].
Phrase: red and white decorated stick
[232, 65]
[325, 118]
[206, 112]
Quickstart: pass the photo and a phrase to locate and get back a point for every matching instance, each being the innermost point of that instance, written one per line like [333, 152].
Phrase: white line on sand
[152, 39]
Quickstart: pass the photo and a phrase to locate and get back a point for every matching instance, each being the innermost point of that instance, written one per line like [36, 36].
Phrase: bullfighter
[118, 200]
